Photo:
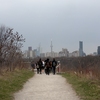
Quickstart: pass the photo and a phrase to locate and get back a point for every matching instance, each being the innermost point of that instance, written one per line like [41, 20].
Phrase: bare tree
[10, 47]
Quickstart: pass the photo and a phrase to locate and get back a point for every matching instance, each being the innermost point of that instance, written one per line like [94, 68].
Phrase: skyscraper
[98, 50]
[29, 48]
[65, 51]
[80, 48]
[39, 50]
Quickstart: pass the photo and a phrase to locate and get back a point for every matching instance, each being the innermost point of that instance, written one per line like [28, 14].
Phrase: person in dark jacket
[54, 64]
[45, 68]
[40, 64]
[47, 64]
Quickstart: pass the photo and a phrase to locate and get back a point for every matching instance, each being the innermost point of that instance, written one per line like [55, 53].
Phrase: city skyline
[36, 53]
[66, 22]
[61, 53]
[66, 48]
[32, 53]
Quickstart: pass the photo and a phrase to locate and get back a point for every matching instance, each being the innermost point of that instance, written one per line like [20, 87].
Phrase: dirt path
[46, 87]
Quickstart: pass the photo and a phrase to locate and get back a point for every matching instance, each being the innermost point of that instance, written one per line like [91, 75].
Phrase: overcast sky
[66, 22]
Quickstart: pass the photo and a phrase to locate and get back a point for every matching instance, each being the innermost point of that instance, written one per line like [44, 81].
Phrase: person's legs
[40, 70]
[37, 70]
[45, 70]
[54, 70]
[48, 70]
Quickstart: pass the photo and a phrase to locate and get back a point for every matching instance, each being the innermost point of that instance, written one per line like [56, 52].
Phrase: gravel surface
[46, 87]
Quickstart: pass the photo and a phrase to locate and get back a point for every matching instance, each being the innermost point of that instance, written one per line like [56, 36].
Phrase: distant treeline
[88, 66]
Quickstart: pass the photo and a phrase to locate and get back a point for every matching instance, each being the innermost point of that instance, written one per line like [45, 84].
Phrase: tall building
[36, 54]
[98, 50]
[42, 55]
[61, 54]
[39, 50]
[74, 54]
[80, 48]
[66, 52]
[48, 54]
[29, 48]
[55, 54]
[31, 54]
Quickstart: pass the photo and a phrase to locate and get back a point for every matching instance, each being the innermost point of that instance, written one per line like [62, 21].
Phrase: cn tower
[51, 47]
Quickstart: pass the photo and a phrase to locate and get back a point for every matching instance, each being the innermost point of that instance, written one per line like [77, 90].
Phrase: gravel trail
[46, 87]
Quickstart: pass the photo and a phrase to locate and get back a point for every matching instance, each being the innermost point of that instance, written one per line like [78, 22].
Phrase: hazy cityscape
[66, 22]
[50, 49]
[33, 53]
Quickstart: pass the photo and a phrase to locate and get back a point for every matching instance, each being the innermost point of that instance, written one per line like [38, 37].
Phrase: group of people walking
[46, 65]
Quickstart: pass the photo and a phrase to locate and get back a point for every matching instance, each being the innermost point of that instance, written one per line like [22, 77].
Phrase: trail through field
[46, 87]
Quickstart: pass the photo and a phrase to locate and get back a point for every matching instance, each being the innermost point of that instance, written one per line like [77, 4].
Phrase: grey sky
[66, 22]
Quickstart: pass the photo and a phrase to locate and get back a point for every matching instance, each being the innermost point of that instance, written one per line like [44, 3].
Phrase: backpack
[47, 64]
[40, 63]
[54, 63]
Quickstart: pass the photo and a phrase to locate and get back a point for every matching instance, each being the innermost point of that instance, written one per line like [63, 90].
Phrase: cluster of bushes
[88, 66]
[10, 49]
[84, 75]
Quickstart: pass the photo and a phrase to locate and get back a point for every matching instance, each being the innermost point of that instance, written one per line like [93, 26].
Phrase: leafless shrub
[10, 48]
[88, 67]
